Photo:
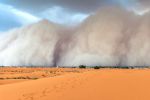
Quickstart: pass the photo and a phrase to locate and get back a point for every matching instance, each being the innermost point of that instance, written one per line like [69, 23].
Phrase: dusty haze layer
[110, 37]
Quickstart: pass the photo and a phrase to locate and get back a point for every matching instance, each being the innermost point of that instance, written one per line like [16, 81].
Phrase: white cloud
[24, 17]
[141, 11]
[21, 16]
[135, 6]
[62, 16]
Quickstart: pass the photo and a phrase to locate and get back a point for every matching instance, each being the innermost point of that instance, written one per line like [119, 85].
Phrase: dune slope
[93, 85]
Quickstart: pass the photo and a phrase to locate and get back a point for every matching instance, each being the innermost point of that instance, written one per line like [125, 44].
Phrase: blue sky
[16, 13]
[11, 17]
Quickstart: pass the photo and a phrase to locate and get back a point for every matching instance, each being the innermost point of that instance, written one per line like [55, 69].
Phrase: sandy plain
[74, 84]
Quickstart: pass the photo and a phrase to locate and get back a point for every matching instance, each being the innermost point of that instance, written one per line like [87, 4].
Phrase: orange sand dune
[106, 84]
[13, 75]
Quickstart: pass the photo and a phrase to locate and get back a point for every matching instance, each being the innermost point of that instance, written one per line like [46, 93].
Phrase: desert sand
[12, 75]
[102, 84]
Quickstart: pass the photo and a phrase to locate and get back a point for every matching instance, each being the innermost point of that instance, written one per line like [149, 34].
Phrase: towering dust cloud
[111, 37]
[32, 45]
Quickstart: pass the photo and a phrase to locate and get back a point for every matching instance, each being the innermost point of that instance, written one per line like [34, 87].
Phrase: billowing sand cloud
[103, 38]
[111, 37]
[31, 46]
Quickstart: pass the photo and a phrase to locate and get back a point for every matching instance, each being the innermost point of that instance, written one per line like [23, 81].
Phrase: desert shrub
[35, 78]
[96, 67]
[125, 67]
[82, 66]
[132, 67]
[121, 67]
[1, 78]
